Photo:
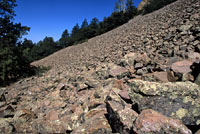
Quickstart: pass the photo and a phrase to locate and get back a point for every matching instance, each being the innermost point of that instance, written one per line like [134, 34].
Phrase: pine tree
[75, 29]
[65, 39]
[12, 63]
[84, 24]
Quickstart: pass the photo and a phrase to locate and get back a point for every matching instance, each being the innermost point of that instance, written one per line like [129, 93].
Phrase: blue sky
[51, 17]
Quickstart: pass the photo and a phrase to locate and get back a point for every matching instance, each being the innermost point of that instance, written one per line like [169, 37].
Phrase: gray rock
[142, 71]
[138, 65]
[179, 100]
[6, 126]
[185, 28]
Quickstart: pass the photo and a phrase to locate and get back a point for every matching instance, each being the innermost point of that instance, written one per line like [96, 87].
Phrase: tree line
[79, 34]
[16, 55]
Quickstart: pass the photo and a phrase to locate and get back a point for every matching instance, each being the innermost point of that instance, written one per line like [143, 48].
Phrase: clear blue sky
[51, 17]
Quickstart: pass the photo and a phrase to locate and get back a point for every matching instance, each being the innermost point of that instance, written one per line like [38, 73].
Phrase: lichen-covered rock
[135, 60]
[95, 122]
[6, 126]
[120, 116]
[180, 100]
[152, 122]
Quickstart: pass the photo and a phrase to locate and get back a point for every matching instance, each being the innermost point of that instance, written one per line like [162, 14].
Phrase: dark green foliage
[65, 40]
[94, 28]
[155, 5]
[84, 24]
[131, 10]
[41, 70]
[26, 48]
[13, 64]
[43, 48]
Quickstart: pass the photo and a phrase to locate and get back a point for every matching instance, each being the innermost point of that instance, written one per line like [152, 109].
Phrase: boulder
[95, 122]
[132, 59]
[120, 116]
[194, 56]
[161, 76]
[152, 122]
[182, 66]
[124, 94]
[117, 71]
[179, 100]
[183, 70]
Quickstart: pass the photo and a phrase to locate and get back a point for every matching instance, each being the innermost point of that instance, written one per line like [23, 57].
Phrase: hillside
[142, 77]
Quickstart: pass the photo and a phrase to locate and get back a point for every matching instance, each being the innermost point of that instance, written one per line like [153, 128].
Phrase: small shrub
[39, 71]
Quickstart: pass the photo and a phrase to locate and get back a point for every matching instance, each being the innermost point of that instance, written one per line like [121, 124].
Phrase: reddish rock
[150, 121]
[119, 84]
[161, 76]
[194, 56]
[182, 66]
[52, 115]
[124, 94]
[117, 71]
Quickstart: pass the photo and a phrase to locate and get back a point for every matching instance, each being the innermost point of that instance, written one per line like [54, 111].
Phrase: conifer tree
[12, 63]
[84, 24]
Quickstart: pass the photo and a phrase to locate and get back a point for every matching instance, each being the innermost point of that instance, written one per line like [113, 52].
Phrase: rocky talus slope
[141, 78]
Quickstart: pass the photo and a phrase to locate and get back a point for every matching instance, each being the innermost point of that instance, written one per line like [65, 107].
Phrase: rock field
[140, 78]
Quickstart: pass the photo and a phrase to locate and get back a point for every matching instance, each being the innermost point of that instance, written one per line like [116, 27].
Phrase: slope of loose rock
[99, 86]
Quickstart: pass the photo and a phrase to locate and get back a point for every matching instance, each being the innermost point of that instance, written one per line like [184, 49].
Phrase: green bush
[39, 71]
[13, 64]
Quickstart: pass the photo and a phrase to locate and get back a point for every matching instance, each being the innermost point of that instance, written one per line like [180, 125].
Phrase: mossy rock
[178, 100]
